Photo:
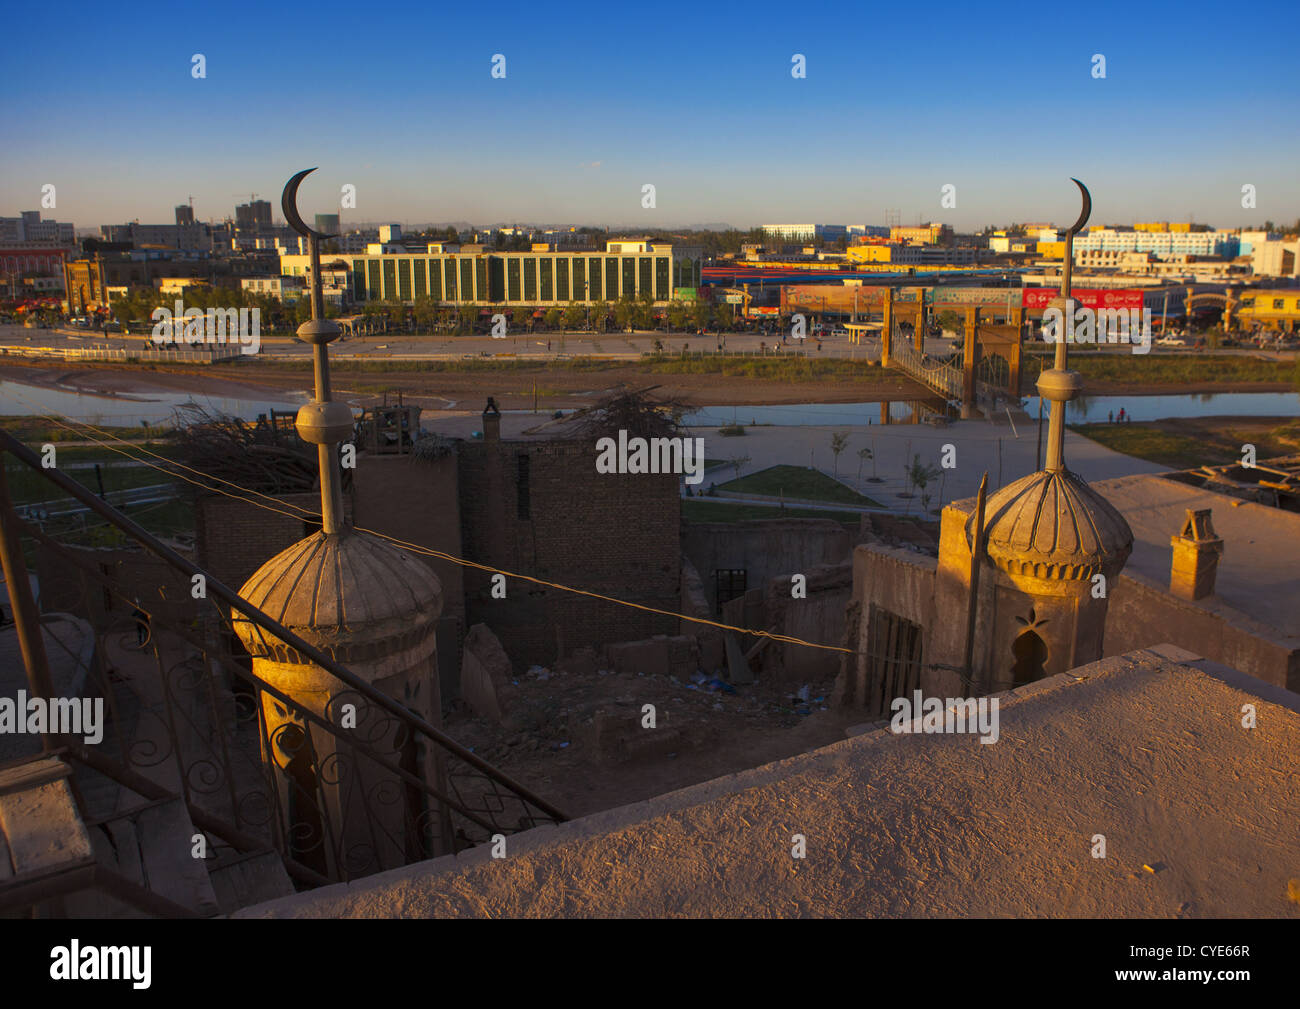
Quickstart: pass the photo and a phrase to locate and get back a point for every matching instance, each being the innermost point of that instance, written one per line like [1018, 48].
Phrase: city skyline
[889, 113]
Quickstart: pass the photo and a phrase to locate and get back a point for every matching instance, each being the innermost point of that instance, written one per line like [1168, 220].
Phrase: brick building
[532, 505]
[538, 507]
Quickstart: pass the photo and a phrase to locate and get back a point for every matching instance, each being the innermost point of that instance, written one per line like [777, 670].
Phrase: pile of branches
[429, 446]
[256, 456]
[633, 411]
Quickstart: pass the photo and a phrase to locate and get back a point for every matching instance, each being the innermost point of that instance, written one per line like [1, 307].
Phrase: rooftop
[1259, 572]
[1141, 748]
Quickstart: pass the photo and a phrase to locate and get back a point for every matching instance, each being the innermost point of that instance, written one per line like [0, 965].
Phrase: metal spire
[322, 422]
[1059, 384]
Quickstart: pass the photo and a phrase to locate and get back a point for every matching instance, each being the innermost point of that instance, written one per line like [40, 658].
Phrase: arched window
[1030, 654]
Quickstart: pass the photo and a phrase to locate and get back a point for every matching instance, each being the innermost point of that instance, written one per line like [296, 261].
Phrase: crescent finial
[289, 204]
[1086, 212]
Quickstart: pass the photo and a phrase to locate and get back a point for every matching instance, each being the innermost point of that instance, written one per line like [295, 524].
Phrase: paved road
[614, 345]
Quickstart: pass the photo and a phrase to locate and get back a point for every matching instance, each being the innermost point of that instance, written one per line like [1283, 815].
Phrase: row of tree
[428, 316]
[139, 303]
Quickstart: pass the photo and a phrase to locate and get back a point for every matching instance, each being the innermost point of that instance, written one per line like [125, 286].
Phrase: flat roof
[1143, 748]
[1259, 571]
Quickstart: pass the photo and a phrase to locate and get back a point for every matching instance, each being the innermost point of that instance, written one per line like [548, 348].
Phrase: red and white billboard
[1094, 298]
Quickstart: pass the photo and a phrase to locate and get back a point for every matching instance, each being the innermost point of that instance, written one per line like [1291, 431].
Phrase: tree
[552, 318]
[863, 455]
[950, 320]
[643, 313]
[574, 313]
[624, 313]
[676, 316]
[599, 316]
[701, 315]
[918, 475]
[467, 315]
[839, 441]
[426, 314]
[738, 463]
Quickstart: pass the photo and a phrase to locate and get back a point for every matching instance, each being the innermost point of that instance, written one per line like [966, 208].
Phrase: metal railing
[943, 378]
[214, 356]
[188, 716]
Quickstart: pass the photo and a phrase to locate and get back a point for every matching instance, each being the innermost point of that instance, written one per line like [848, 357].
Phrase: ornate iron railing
[364, 785]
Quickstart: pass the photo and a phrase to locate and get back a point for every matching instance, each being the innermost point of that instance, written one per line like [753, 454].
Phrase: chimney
[491, 422]
[1196, 557]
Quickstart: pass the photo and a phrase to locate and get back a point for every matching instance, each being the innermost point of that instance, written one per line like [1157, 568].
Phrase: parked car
[1171, 341]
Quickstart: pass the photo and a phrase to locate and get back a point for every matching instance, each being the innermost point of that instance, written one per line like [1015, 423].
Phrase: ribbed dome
[1053, 525]
[352, 594]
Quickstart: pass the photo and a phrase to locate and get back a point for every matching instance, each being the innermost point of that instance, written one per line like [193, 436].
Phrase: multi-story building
[189, 237]
[253, 216]
[30, 229]
[1162, 243]
[1275, 258]
[1270, 309]
[933, 233]
[472, 274]
[281, 287]
[327, 224]
[814, 232]
[29, 267]
[912, 255]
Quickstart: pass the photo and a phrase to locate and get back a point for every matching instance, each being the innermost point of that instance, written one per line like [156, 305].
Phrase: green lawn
[798, 482]
[1154, 445]
[699, 511]
[26, 486]
[1170, 369]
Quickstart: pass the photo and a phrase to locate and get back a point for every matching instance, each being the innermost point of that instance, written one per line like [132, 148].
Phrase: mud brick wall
[555, 518]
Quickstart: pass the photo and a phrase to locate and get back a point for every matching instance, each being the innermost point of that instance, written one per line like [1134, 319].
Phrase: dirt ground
[577, 738]
[557, 388]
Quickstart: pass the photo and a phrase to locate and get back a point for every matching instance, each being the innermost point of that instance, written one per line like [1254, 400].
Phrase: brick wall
[418, 501]
[615, 534]
[234, 538]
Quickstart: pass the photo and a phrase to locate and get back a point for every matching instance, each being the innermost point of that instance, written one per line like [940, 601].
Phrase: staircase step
[250, 879]
[166, 835]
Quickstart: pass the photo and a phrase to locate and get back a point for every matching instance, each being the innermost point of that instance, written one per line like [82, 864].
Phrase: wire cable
[430, 552]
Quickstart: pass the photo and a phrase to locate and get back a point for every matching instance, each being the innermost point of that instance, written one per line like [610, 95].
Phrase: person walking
[1112, 417]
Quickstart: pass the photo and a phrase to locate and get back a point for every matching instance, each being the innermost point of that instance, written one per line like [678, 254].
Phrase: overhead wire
[416, 548]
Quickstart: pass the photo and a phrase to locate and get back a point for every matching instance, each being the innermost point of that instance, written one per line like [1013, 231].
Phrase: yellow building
[1051, 250]
[869, 253]
[1183, 226]
[1278, 308]
[925, 234]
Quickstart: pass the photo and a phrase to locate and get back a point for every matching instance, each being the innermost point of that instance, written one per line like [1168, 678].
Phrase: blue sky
[600, 99]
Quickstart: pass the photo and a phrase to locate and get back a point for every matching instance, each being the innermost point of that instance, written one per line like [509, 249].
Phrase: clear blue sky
[599, 99]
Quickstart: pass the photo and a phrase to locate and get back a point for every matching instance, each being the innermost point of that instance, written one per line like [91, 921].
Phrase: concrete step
[166, 834]
[250, 879]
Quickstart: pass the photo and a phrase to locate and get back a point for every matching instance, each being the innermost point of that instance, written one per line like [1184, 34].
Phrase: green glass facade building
[470, 275]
